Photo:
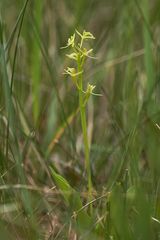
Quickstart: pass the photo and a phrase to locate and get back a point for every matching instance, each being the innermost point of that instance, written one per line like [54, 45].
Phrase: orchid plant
[79, 54]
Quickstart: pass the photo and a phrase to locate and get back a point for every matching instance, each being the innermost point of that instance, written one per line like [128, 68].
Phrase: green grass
[43, 185]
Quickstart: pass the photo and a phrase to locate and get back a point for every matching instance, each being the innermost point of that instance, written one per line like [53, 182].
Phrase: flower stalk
[84, 130]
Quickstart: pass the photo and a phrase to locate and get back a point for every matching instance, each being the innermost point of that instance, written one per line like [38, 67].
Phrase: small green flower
[73, 56]
[86, 52]
[90, 88]
[88, 93]
[85, 35]
[72, 72]
[71, 42]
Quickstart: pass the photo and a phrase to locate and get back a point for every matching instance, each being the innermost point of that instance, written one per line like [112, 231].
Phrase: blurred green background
[40, 125]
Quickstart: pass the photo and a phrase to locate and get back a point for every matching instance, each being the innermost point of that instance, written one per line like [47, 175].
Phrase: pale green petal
[88, 35]
[73, 56]
[79, 33]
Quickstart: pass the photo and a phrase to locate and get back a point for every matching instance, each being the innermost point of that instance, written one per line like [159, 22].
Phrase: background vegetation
[40, 123]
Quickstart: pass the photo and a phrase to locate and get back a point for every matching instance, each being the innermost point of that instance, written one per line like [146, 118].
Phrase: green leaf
[63, 185]
[84, 223]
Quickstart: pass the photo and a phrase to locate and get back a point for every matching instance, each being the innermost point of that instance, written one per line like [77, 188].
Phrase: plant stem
[85, 136]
